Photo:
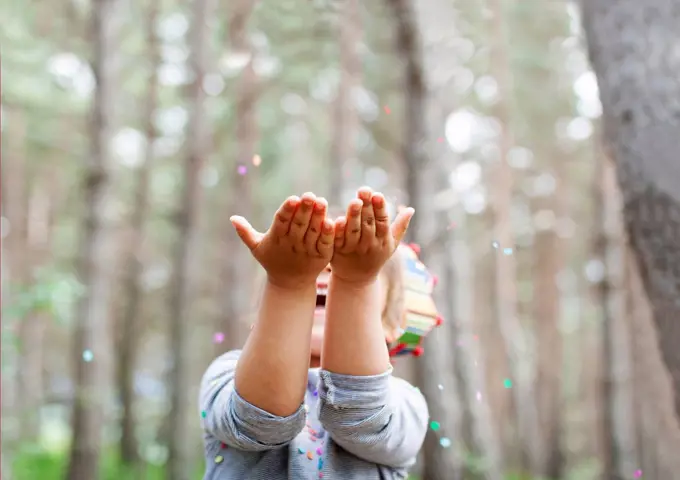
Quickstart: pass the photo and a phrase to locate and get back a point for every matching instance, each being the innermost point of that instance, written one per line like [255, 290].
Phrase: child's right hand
[298, 244]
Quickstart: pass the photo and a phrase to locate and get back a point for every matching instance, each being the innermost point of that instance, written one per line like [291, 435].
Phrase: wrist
[291, 286]
[354, 283]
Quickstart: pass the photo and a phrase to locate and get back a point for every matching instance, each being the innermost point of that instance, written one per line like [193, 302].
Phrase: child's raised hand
[364, 239]
[298, 244]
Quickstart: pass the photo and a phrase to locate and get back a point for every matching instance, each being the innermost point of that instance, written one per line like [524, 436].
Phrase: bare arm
[275, 357]
[354, 343]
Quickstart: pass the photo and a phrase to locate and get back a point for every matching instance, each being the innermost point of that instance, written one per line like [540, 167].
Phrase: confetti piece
[387, 110]
[507, 383]
[306, 408]
[319, 451]
[219, 459]
[638, 473]
[495, 244]
[204, 414]
[507, 251]
[257, 160]
[218, 337]
[434, 426]
[88, 356]
[310, 455]
[445, 442]
[440, 139]
[223, 445]
[242, 169]
[479, 396]
[300, 451]
[440, 386]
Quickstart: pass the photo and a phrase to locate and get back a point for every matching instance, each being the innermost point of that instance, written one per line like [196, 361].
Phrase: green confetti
[434, 426]
[219, 459]
[204, 413]
[507, 383]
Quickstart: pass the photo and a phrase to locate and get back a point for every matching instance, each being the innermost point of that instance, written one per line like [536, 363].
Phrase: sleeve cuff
[349, 391]
[266, 427]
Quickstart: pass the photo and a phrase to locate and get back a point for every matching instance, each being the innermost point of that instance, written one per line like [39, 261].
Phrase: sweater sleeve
[381, 418]
[234, 421]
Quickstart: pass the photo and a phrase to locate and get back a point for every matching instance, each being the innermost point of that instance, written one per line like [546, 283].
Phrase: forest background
[536, 139]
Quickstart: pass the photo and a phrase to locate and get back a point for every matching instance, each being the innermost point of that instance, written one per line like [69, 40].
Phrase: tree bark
[133, 265]
[236, 279]
[434, 367]
[185, 255]
[95, 250]
[346, 120]
[620, 454]
[632, 47]
[506, 269]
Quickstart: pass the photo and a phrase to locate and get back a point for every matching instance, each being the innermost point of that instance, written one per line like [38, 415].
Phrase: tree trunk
[632, 47]
[549, 257]
[15, 204]
[95, 251]
[236, 279]
[346, 121]
[185, 255]
[133, 266]
[620, 457]
[433, 368]
[506, 269]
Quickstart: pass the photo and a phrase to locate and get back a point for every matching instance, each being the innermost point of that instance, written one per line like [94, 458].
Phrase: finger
[367, 219]
[382, 217]
[324, 246]
[340, 225]
[400, 224]
[284, 216]
[314, 230]
[248, 235]
[302, 216]
[353, 228]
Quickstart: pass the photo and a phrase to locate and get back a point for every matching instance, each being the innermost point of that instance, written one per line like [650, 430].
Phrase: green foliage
[32, 463]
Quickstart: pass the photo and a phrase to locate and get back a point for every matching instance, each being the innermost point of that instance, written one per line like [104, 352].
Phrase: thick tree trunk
[516, 344]
[185, 255]
[93, 264]
[633, 47]
[133, 266]
[345, 121]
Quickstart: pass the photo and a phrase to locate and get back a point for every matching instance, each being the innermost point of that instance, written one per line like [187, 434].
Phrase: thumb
[400, 224]
[248, 235]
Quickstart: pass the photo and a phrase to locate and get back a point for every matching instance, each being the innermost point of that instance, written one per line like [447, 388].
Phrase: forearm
[354, 340]
[272, 370]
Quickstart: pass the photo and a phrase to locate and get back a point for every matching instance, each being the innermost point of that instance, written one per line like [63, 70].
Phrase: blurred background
[131, 131]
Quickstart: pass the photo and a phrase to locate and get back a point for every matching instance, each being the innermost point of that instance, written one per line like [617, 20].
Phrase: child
[266, 414]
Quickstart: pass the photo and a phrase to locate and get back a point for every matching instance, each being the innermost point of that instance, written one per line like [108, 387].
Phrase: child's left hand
[364, 239]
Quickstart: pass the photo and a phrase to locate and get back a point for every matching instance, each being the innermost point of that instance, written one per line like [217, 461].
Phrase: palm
[297, 246]
[365, 240]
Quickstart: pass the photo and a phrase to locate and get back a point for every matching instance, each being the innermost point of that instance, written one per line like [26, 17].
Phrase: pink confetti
[218, 337]
[638, 473]
[440, 139]
[387, 110]
[242, 170]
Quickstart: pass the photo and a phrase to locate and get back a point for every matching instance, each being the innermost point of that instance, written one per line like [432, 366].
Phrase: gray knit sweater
[349, 428]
